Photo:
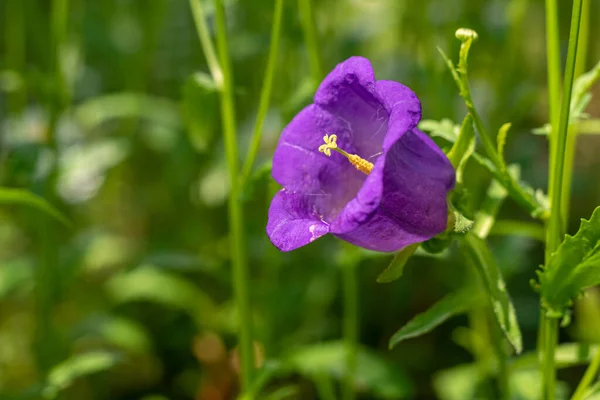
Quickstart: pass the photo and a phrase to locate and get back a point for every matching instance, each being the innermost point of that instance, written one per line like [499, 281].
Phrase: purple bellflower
[383, 187]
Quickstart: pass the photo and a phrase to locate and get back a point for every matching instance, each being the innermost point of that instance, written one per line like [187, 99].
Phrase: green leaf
[373, 373]
[480, 256]
[451, 305]
[580, 99]
[199, 107]
[573, 267]
[446, 129]
[457, 383]
[64, 374]
[147, 283]
[463, 148]
[502, 133]
[567, 355]
[23, 197]
[396, 267]
[102, 109]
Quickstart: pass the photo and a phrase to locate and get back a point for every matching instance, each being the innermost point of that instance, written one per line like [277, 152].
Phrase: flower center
[331, 144]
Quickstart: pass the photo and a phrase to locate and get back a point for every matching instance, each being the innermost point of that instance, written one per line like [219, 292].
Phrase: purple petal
[299, 167]
[349, 93]
[403, 201]
[403, 107]
[293, 221]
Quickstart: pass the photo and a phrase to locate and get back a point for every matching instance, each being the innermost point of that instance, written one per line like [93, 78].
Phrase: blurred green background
[105, 111]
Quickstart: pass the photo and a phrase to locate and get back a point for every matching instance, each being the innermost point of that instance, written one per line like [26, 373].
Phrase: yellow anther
[331, 144]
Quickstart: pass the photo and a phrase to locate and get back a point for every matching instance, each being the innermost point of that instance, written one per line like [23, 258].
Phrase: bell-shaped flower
[354, 164]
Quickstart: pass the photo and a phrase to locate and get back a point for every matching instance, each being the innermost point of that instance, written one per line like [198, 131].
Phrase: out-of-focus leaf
[122, 332]
[451, 305]
[589, 127]
[567, 355]
[586, 328]
[446, 129]
[9, 196]
[530, 230]
[373, 374]
[396, 267]
[573, 267]
[102, 109]
[463, 148]
[146, 283]
[579, 101]
[199, 105]
[64, 374]
[14, 274]
[480, 256]
[458, 383]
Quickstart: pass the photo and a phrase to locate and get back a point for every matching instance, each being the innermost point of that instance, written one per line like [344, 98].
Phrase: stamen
[331, 144]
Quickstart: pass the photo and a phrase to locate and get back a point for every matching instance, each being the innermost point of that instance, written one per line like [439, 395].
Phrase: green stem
[236, 217]
[580, 62]
[309, 28]
[350, 328]
[588, 377]
[553, 66]
[554, 230]
[207, 46]
[265, 95]
[549, 332]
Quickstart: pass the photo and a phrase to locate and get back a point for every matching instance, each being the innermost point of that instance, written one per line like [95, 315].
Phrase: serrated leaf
[449, 306]
[573, 267]
[463, 148]
[23, 197]
[396, 267]
[373, 373]
[480, 256]
[64, 374]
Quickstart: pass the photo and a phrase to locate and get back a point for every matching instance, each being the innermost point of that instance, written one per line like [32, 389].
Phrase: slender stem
[236, 217]
[550, 340]
[350, 328]
[553, 66]
[580, 63]
[206, 43]
[309, 28]
[265, 95]
[588, 377]
[554, 230]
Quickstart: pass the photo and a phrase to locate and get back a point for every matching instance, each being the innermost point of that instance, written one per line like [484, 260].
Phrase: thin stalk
[554, 230]
[207, 45]
[580, 63]
[549, 331]
[236, 216]
[350, 328]
[588, 377]
[265, 94]
[554, 72]
[309, 28]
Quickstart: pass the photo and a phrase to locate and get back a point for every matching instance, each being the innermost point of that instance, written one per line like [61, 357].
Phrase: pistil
[331, 144]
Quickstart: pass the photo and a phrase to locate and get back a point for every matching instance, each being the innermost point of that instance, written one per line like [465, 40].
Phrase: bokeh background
[106, 113]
